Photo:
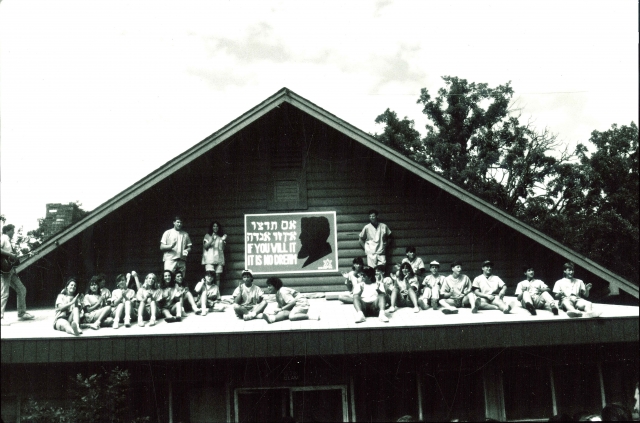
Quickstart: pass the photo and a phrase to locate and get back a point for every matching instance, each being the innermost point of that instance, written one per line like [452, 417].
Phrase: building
[60, 216]
[289, 156]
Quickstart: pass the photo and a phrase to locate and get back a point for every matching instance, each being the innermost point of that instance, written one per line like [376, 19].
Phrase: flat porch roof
[223, 335]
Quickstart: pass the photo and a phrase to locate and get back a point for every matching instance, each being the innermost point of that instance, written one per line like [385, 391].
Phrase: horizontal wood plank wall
[312, 343]
[342, 176]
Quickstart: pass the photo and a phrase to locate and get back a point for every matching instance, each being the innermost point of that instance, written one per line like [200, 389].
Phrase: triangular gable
[285, 95]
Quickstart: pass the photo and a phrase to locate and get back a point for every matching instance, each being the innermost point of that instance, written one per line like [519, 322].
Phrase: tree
[97, 398]
[587, 202]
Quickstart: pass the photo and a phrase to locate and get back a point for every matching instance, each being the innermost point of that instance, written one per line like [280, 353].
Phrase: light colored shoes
[416, 309]
[360, 318]
[25, 316]
[574, 314]
[383, 317]
[593, 314]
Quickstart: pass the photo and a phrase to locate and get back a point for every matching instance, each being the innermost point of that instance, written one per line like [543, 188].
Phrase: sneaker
[152, 322]
[259, 315]
[25, 316]
[554, 310]
[450, 310]
[391, 309]
[476, 304]
[204, 313]
[170, 319]
[360, 318]
[531, 308]
[508, 310]
[116, 325]
[383, 317]
[434, 304]
[94, 326]
[177, 319]
[248, 316]
[198, 311]
[140, 323]
[127, 323]
[416, 309]
[593, 313]
[574, 314]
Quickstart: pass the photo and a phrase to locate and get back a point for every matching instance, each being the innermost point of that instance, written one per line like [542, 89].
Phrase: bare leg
[154, 311]
[414, 300]
[203, 304]
[141, 314]
[117, 315]
[394, 299]
[192, 301]
[127, 313]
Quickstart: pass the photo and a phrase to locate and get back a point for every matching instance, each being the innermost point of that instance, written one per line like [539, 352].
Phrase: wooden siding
[342, 176]
[314, 343]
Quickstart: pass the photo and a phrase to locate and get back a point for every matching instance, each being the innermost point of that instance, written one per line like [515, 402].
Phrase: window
[527, 393]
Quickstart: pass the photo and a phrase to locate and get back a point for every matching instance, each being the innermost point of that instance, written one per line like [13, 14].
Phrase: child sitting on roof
[416, 262]
[68, 309]
[148, 301]
[291, 304]
[456, 292]
[431, 287]
[490, 289]
[534, 294]
[571, 293]
[248, 298]
[123, 300]
[369, 297]
[404, 290]
[208, 293]
[350, 279]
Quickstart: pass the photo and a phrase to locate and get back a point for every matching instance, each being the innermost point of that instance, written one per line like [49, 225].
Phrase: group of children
[372, 293]
[152, 299]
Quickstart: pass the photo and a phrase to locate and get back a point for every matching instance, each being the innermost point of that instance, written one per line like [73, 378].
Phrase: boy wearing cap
[416, 262]
[431, 287]
[490, 289]
[456, 292]
[534, 294]
[368, 296]
[248, 298]
[571, 293]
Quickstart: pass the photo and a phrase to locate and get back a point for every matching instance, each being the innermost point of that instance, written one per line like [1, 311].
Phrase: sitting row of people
[152, 300]
[371, 292]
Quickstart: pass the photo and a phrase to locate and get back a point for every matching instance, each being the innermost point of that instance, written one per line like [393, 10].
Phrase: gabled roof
[287, 96]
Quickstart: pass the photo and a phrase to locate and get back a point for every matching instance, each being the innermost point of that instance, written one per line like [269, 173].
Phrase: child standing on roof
[248, 298]
[456, 292]
[571, 293]
[350, 279]
[431, 286]
[213, 249]
[534, 294]
[490, 289]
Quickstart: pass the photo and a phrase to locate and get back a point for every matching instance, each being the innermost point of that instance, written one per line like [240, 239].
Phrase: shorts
[404, 301]
[92, 316]
[536, 300]
[214, 268]
[430, 293]
[374, 260]
[577, 302]
[370, 309]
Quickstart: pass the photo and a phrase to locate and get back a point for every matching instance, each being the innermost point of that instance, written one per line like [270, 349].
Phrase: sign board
[283, 243]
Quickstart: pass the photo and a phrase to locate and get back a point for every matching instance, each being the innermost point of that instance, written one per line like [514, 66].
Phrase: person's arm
[519, 291]
[164, 243]
[71, 303]
[188, 242]
[502, 291]
[88, 308]
[475, 288]
[362, 237]
[199, 286]
[207, 241]
[585, 290]
[135, 277]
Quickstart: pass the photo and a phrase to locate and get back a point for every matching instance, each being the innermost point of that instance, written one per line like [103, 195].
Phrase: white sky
[94, 95]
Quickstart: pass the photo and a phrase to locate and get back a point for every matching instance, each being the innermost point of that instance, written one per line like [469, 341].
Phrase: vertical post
[170, 401]
[419, 384]
[353, 399]
[553, 391]
[493, 392]
[601, 379]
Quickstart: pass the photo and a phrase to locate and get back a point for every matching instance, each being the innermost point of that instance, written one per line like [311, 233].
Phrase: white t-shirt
[374, 238]
[368, 292]
[568, 287]
[534, 287]
[182, 243]
[489, 286]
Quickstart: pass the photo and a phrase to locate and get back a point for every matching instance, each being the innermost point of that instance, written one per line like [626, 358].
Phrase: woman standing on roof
[213, 250]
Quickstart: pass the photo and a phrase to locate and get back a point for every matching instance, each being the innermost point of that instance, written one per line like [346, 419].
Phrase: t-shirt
[352, 277]
[568, 287]
[405, 284]
[127, 294]
[458, 287]
[63, 299]
[91, 299]
[368, 291]
[285, 295]
[5, 244]
[182, 243]
[250, 295]
[416, 264]
[105, 292]
[387, 283]
[488, 286]
[433, 281]
[534, 287]
[212, 292]
[144, 293]
[373, 238]
[215, 253]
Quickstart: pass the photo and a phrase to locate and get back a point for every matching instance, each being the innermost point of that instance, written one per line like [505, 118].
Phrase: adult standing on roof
[373, 239]
[175, 244]
[10, 276]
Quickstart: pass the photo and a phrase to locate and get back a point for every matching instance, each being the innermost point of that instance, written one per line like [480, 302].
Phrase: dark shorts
[370, 309]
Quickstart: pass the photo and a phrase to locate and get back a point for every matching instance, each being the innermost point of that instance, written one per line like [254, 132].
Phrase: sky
[96, 95]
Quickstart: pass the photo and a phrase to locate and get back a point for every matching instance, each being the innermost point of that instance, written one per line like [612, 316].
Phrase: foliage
[97, 398]
[588, 202]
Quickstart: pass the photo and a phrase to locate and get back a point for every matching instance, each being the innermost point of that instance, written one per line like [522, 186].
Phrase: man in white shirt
[373, 239]
[10, 277]
[175, 244]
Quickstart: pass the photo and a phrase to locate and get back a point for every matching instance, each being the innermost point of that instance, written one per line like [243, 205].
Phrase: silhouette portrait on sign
[314, 232]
